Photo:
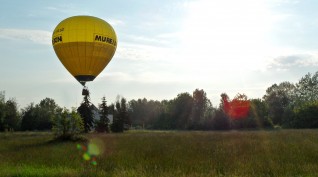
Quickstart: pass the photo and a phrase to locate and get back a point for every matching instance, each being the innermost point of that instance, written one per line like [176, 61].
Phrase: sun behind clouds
[227, 33]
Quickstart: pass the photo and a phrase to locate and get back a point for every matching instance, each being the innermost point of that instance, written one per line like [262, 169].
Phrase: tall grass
[166, 153]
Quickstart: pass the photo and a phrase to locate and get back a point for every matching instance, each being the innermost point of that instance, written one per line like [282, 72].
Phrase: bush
[67, 125]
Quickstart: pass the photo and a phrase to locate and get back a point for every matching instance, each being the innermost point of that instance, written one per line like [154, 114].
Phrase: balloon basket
[85, 91]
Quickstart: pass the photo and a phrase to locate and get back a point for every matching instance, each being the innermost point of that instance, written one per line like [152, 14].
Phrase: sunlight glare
[227, 33]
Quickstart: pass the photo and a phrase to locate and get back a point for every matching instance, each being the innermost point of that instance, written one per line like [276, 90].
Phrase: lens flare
[238, 108]
[94, 162]
[86, 156]
[93, 149]
[79, 147]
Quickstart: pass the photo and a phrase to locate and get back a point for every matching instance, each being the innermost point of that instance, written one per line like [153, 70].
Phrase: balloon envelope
[84, 45]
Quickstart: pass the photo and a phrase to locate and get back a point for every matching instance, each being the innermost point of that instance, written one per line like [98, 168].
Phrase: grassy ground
[193, 154]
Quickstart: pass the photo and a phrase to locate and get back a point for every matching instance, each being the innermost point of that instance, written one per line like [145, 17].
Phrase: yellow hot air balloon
[84, 45]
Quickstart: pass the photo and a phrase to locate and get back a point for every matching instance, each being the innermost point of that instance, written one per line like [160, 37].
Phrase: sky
[164, 48]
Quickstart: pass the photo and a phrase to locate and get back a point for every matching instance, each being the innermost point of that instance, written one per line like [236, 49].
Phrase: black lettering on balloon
[105, 39]
[57, 40]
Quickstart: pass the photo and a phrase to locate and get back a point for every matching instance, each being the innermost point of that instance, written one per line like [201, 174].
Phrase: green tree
[306, 116]
[111, 109]
[259, 114]
[118, 121]
[124, 113]
[11, 119]
[103, 123]
[86, 113]
[278, 99]
[2, 110]
[39, 116]
[221, 120]
[9, 115]
[181, 111]
[139, 112]
[121, 119]
[305, 94]
[29, 119]
[154, 109]
[307, 89]
[46, 109]
[144, 113]
[164, 119]
[200, 106]
[66, 124]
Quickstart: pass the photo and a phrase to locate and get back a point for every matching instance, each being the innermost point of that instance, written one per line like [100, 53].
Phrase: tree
[118, 121]
[154, 108]
[11, 119]
[67, 125]
[139, 112]
[2, 110]
[307, 89]
[305, 93]
[121, 119]
[39, 116]
[259, 113]
[238, 108]
[278, 99]
[86, 113]
[124, 113]
[143, 113]
[9, 115]
[181, 111]
[163, 119]
[103, 123]
[200, 106]
[29, 121]
[47, 109]
[306, 116]
[221, 120]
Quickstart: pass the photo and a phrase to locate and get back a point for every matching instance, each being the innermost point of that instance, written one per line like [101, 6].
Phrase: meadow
[164, 153]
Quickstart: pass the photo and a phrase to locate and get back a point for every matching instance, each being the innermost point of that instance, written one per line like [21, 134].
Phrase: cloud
[169, 39]
[36, 36]
[142, 52]
[133, 52]
[146, 77]
[281, 2]
[146, 40]
[293, 61]
[115, 22]
[116, 76]
[67, 8]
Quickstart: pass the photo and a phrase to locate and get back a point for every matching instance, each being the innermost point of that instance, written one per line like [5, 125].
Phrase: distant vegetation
[284, 105]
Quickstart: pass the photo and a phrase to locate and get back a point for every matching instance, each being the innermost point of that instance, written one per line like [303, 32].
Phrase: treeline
[285, 105]
[47, 115]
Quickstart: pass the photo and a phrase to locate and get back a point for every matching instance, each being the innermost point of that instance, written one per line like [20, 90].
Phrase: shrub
[67, 125]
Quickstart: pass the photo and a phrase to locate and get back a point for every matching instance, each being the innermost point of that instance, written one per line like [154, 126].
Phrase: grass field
[234, 153]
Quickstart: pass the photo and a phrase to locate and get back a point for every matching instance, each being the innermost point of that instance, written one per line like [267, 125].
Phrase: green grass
[165, 153]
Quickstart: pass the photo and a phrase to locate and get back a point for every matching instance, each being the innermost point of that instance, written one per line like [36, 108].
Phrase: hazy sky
[164, 48]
